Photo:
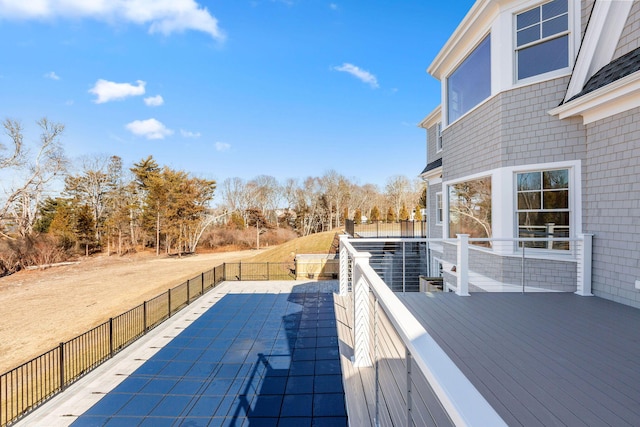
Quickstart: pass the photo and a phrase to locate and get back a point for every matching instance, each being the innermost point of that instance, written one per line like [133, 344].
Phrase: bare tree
[398, 191]
[266, 195]
[32, 173]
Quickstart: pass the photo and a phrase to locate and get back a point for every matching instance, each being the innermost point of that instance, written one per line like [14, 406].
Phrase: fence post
[202, 283]
[188, 291]
[111, 337]
[463, 265]
[61, 359]
[268, 277]
[169, 301]
[362, 322]
[585, 248]
[240, 271]
[145, 317]
[224, 272]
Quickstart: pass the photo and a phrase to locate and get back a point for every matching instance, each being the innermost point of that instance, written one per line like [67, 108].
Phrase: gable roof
[433, 165]
[615, 70]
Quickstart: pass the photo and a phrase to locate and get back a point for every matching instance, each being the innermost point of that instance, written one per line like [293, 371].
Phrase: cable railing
[387, 229]
[29, 385]
[408, 363]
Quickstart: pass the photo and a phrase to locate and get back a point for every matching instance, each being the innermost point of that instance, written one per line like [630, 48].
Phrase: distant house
[538, 135]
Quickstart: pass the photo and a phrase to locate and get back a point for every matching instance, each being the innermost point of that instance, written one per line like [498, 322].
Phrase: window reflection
[470, 209]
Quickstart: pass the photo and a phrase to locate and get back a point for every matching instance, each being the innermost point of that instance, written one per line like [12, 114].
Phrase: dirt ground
[41, 308]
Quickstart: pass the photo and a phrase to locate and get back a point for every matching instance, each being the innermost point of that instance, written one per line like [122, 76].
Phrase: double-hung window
[542, 39]
[439, 211]
[543, 207]
[439, 137]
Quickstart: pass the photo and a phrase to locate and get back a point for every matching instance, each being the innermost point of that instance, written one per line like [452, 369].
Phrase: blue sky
[230, 88]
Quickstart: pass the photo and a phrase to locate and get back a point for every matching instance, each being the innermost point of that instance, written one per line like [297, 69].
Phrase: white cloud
[112, 91]
[223, 146]
[51, 75]
[163, 17]
[154, 101]
[150, 129]
[359, 73]
[189, 134]
[333, 6]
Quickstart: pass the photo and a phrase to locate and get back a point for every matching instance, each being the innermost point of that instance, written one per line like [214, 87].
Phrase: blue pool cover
[250, 360]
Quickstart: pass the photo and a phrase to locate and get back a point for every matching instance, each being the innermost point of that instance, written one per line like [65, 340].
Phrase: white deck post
[361, 312]
[463, 265]
[585, 249]
[344, 267]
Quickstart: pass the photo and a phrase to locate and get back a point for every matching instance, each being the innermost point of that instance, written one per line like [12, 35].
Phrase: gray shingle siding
[629, 39]
[587, 7]
[612, 205]
[513, 128]
[435, 231]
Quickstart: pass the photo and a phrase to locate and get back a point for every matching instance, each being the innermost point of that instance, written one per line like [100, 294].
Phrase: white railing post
[463, 265]
[583, 272]
[361, 312]
[344, 267]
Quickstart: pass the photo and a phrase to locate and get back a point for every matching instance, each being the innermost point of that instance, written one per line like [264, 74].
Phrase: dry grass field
[41, 308]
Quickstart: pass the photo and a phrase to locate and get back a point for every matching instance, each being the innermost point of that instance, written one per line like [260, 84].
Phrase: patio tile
[297, 405]
[252, 359]
[300, 385]
[329, 405]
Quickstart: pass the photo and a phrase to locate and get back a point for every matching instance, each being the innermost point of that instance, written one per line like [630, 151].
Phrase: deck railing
[26, 387]
[387, 229]
[405, 357]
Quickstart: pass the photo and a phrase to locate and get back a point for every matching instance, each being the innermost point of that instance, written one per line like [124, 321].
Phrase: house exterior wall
[612, 205]
[629, 39]
[587, 7]
[432, 137]
[513, 128]
[435, 230]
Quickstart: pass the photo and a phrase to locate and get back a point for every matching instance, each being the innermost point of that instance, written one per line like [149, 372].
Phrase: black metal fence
[24, 388]
[382, 229]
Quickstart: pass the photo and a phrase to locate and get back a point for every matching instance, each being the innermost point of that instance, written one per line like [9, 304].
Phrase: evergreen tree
[357, 217]
[391, 215]
[375, 214]
[404, 213]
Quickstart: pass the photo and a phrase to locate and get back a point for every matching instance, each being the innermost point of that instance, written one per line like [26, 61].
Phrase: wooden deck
[541, 359]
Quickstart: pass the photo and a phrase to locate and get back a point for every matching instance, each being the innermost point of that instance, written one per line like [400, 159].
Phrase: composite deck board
[558, 359]
[513, 376]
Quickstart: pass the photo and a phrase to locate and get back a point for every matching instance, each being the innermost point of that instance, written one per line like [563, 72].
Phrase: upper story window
[439, 211]
[470, 83]
[542, 39]
[439, 137]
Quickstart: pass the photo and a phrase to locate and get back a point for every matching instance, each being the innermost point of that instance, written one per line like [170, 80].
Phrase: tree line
[51, 207]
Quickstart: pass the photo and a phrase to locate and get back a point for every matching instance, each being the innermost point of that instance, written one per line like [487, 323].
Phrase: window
[439, 208]
[543, 207]
[470, 208]
[439, 137]
[542, 39]
[470, 83]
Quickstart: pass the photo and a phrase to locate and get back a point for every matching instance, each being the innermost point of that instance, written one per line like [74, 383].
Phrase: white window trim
[503, 218]
[445, 81]
[568, 32]
[439, 221]
[438, 137]
[574, 43]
